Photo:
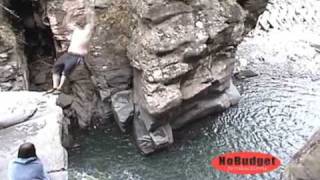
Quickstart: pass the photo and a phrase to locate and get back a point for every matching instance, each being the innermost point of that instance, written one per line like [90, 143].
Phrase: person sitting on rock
[27, 165]
[78, 49]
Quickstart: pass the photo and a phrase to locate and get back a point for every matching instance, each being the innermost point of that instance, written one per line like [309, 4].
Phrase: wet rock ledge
[32, 117]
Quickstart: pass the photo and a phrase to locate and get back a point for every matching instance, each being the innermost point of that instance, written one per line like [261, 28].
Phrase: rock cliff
[154, 65]
[107, 68]
[181, 55]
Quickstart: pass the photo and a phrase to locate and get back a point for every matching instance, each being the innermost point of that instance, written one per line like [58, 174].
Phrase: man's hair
[27, 150]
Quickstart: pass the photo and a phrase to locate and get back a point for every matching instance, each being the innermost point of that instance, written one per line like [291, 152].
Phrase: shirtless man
[78, 49]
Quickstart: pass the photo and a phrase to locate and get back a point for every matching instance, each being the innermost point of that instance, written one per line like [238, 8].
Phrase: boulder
[123, 110]
[44, 129]
[142, 137]
[162, 136]
[305, 163]
[14, 116]
[205, 106]
[246, 73]
[150, 141]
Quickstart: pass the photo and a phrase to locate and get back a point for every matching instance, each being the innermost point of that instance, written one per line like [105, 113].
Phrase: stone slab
[43, 129]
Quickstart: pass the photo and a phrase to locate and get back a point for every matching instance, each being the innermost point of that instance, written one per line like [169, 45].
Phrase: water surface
[278, 112]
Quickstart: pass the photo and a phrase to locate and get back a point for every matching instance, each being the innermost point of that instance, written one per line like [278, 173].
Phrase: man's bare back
[80, 38]
[79, 43]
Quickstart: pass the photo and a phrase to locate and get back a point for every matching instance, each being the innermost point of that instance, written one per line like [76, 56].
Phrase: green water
[274, 116]
[278, 112]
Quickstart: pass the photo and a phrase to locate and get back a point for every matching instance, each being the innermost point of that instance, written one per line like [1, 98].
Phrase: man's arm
[69, 24]
[90, 17]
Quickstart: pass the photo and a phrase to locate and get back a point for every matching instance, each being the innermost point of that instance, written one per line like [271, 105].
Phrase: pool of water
[274, 115]
[278, 112]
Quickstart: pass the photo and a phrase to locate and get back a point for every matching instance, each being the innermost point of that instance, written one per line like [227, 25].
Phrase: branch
[10, 11]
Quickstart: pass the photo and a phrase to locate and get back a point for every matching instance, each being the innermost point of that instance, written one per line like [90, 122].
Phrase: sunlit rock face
[182, 48]
[181, 53]
[183, 58]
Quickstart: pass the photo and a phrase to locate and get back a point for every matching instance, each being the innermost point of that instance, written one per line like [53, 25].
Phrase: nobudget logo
[245, 162]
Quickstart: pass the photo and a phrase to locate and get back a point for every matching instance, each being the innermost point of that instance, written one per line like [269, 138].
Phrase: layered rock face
[183, 58]
[33, 117]
[13, 64]
[182, 54]
[107, 68]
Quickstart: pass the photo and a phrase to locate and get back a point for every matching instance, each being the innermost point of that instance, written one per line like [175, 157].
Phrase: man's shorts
[67, 63]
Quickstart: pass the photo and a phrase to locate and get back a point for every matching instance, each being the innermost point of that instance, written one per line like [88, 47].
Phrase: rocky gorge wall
[182, 53]
[13, 63]
[153, 66]
[107, 68]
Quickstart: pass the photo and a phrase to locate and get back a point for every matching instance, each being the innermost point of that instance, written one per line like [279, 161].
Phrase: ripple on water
[275, 116]
[278, 111]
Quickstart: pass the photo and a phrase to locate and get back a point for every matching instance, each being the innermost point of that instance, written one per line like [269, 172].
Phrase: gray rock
[43, 129]
[86, 104]
[123, 110]
[162, 136]
[162, 12]
[12, 114]
[233, 94]
[64, 100]
[183, 52]
[243, 74]
[142, 137]
[204, 106]
[150, 122]
[183, 57]
[316, 47]
[40, 74]
[13, 64]
[148, 142]
[305, 163]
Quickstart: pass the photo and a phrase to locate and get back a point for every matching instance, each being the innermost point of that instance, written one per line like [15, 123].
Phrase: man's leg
[55, 80]
[57, 90]
[62, 80]
[69, 66]
[56, 73]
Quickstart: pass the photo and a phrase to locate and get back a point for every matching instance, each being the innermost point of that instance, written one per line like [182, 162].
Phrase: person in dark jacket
[27, 166]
